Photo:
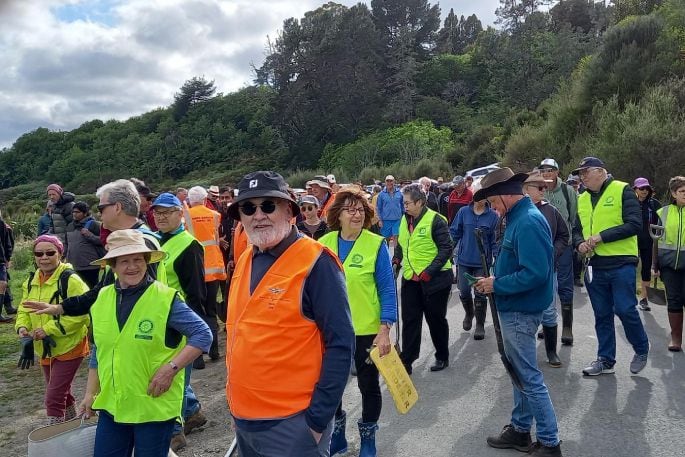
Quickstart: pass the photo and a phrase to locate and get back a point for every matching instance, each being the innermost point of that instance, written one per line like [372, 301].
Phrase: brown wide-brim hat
[535, 177]
[502, 181]
[126, 242]
[261, 184]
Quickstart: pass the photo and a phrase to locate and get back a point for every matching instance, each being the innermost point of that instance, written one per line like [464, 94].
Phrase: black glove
[27, 358]
[48, 344]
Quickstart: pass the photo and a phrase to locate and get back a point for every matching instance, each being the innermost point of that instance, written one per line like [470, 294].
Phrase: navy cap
[261, 184]
[167, 200]
[588, 162]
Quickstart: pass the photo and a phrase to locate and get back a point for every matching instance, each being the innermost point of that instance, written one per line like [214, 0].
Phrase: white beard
[268, 239]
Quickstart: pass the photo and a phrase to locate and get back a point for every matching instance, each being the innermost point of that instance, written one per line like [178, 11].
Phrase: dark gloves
[26, 359]
[48, 344]
[424, 277]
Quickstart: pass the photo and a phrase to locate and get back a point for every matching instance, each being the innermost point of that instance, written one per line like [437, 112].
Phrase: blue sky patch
[100, 11]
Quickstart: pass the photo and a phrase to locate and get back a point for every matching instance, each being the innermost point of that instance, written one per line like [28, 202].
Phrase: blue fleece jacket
[390, 206]
[525, 265]
[463, 233]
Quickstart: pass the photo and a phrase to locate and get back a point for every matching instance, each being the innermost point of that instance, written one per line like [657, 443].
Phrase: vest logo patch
[356, 261]
[145, 326]
[609, 201]
[422, 231]
[276, 290]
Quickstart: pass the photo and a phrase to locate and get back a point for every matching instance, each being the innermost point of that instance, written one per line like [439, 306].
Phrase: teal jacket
[524, 268]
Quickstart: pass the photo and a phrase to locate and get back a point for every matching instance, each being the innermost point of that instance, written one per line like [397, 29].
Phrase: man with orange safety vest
[203, 223]
[289, 333]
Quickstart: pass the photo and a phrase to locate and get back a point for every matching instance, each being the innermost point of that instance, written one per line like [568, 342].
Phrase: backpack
[61, 293]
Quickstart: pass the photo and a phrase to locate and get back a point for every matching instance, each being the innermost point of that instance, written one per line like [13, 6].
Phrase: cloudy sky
[69, 61]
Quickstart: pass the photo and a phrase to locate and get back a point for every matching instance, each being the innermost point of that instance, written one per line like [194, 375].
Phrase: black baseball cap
[260, 184]
[588, 162]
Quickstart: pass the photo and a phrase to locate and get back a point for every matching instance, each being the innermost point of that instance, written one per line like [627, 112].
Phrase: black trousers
[674, 283]
[416, 305]
[367, 380]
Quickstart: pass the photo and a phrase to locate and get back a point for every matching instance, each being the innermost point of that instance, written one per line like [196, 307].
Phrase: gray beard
[267, 240]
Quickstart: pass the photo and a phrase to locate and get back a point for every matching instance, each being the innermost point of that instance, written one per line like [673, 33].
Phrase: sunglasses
[249, 208]
[40, 254]
[643, 188]
[308, 208]
[105, 205]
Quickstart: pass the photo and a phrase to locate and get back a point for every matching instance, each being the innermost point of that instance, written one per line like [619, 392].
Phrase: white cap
[390, 178]
[549, 163]
[197, 194]
[331, 179]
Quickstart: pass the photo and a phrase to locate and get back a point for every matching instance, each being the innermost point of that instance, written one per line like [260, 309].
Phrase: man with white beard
[289, 333]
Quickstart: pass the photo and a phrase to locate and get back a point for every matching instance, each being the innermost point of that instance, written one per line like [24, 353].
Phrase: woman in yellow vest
[60, 340]
[143, 337]
[373, 305]
[670, 259]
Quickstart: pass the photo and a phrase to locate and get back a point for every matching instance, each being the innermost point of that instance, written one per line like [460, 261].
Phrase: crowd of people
[305, 285]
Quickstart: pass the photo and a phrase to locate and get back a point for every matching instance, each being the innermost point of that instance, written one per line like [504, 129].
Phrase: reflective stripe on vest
[607, 213]
[671, 246]
[418, 248]
[205, 225]
[174, 247]
[128, 358]
[273, 353]
[360, 269]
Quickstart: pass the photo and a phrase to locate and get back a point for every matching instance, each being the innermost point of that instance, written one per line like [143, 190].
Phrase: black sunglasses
[308, 208]
[44, 253]
[249, 208]
[105, 205]
[644, 188]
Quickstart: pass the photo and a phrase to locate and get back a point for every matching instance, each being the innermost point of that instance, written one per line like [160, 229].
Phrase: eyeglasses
[307, 208]
[163, 214]
[40, 254]
[585, 171]
[353, 210]
[249, 208]
[104, 205]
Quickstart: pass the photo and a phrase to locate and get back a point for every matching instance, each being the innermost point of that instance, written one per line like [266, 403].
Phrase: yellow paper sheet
[399, 383]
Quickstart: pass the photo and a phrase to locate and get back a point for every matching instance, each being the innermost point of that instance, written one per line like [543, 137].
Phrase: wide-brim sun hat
[261, 184]
[127, 242]
[502, 181]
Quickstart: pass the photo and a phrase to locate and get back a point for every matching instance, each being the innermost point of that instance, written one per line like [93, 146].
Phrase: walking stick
[233, 448]
[495, 317]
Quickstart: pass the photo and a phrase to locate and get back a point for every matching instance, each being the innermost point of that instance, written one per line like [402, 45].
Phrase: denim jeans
[463, 283]
[565, 276]
[549, 316]
[191, 404]
[149, 439]
[612, 291]
[519, 336]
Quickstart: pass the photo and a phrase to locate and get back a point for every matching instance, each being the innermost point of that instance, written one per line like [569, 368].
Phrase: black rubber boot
[511, 439]
[467, 302]
[551, 345]
[567, 322]
[481, 306]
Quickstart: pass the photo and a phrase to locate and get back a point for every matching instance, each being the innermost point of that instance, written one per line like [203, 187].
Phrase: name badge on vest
[145, 327]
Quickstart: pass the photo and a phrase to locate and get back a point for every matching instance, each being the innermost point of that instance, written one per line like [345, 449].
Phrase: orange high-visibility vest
[273, 353]
[329, 202]
[240, 242]
[203, 224]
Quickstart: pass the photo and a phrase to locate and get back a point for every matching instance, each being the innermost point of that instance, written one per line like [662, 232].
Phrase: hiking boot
[540, 450]
[214, 351]
[638, 363]
[643, 304]
[597, 368]
[196, 420]
[467, 302]
[510, 439]
[178, 442]
[9, 309]
[199, 363]
[5, 320]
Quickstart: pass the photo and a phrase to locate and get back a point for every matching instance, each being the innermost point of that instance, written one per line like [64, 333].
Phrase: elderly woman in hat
[144, 335]
[522, 285]
[649, 207]
[60, 341]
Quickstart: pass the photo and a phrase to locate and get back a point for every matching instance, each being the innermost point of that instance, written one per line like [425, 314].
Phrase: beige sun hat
[126, 242]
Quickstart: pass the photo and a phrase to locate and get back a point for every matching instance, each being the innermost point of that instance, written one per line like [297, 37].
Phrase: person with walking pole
[522, 285]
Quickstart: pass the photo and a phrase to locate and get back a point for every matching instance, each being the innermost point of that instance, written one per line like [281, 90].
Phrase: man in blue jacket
[523, 286]
[477, 215]
[390, 207]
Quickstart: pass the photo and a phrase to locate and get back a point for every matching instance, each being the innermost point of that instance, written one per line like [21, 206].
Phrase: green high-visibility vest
[418, 248]
[671, 246]
[129, 358]
[607, 213]
[174, 247]
[360, 267]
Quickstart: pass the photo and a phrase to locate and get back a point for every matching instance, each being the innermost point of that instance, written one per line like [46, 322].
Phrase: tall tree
[193, 91]
[457, 33]
[513, 13]
[418, 19]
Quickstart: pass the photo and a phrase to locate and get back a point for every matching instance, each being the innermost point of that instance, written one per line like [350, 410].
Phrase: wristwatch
[173, 365]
